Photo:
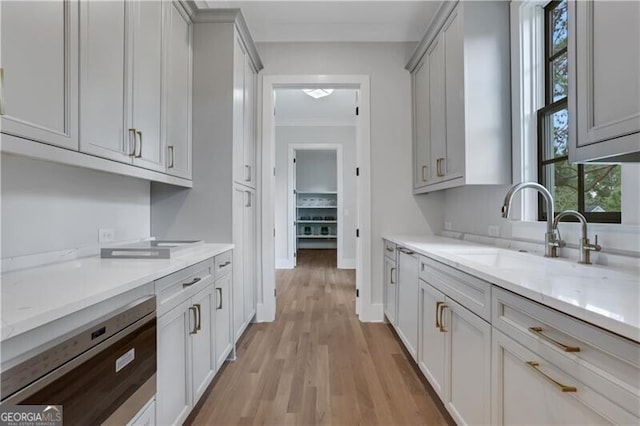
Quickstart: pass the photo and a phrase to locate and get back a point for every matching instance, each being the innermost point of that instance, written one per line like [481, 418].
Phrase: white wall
[317, 170]
[50, 207]
[394, 210]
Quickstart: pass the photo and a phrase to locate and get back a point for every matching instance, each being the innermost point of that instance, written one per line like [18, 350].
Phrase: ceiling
[333, 20]
[295, 108]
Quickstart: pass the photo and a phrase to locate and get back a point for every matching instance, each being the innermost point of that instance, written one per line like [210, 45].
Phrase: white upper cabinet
[102, 80]
[39, 71]
[145, 66]
[178, 91]
[461, 98]
[604, 91]
[421, 124]
[244, 140]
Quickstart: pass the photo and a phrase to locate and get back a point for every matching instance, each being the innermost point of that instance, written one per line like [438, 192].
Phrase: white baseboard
[265, 312]
[372, 312]
[284, 264]
[346, 264]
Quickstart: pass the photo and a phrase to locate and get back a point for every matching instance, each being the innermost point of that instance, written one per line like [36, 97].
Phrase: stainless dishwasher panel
[105, 373]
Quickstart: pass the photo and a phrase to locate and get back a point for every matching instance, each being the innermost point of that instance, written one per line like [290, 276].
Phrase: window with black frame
[592, 189]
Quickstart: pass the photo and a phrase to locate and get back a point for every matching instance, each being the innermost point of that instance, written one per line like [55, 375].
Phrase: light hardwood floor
[317, 364]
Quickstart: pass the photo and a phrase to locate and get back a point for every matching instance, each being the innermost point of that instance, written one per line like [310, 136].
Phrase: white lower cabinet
[407, 314]
[223, 318]
[432, 341]
[174, 361]
[467, 364]
[202, 334]
[194, 335]
[527, 389]
[455, 356]
[146, 416]
[390, 289]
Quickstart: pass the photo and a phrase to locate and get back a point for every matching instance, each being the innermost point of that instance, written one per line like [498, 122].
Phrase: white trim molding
[366, 310]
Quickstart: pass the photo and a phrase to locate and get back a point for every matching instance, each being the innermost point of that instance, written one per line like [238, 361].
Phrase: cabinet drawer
[177, 287]
[602, 360]
[223, 264]
[471, 292]
[528, 388]
[390, 250]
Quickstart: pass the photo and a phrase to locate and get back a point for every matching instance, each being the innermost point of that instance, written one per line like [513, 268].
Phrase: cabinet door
[40, 71]
[203, 341]
[177, 117]
[174, 397]
[408, 300]
[102, 80]
[421, 137]
[239, 201]
[240, 172]
[146, 59]
[249, 147]
[223, 311]
[437, 111]
[468, 357]
[453, 164]
[522, 394]
[607, 42]
[249, 248]
[390, 289]
[432, 339]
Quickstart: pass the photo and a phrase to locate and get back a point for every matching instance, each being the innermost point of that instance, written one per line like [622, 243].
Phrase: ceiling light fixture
[318, 93]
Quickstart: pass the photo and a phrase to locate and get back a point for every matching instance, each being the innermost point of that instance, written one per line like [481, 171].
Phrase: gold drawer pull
[563, 388]
[442, 307]
[538, 332]
[438, 304]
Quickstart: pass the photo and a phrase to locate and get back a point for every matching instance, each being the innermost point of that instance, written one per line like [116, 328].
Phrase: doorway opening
[316, 208]
[282, 223]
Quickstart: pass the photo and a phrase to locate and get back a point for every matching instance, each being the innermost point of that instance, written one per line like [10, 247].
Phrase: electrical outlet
[105, 235]
[447, 226]
[494, 231]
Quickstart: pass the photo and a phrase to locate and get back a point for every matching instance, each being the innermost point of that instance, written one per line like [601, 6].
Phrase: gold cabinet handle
[438, 305]
[132, 146]
[563, 388]
[1, 91]
[248, 169]
[171, 153]
[195, 320]
[248, 199]
[439, 162]
[389, 249]
[392, 280]
[443, 306]
[199, 324]
[424, 173]
[139, 154]
[219, 289]
[538, 332]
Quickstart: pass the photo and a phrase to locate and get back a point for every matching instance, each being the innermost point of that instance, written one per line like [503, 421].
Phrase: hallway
[317, 364]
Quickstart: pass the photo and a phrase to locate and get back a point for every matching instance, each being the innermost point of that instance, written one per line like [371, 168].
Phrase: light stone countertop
[37, 296]
[603, 296]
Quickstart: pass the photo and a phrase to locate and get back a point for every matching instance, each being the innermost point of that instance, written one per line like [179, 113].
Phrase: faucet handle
[592, 247]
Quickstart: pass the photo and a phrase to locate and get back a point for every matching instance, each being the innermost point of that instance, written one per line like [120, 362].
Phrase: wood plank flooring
[317, 364]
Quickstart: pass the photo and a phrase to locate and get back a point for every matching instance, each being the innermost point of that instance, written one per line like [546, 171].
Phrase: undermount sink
[497, 258]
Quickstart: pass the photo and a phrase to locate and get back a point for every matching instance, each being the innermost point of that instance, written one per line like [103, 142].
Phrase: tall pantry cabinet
[221, 206]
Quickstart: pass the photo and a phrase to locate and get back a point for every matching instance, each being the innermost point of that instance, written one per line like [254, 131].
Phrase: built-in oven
[102, 373]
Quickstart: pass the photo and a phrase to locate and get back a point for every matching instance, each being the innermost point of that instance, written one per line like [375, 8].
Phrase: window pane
[556, 134]
[602, 188]
[559, 27]
[561, 179]
[559, 75]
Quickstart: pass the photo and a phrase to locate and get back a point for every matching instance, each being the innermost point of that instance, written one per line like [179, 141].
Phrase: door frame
[291, 208]
[365, 309]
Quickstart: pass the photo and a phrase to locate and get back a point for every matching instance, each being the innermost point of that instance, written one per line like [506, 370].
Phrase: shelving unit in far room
[316, 219]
